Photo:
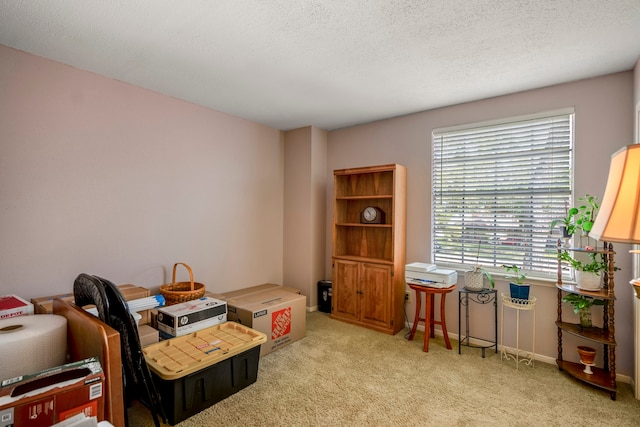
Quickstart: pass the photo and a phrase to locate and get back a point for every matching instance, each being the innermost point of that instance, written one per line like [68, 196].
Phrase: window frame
[550, 271]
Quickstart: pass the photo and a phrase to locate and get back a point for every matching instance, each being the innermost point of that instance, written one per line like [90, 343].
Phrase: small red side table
[428, 319]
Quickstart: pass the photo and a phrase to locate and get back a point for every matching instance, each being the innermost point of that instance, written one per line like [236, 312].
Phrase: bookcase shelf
[603, 377]
[368, 259]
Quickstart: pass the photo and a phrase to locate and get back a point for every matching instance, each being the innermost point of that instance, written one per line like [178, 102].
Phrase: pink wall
[100, 177]
[304, 213]
[603, 124]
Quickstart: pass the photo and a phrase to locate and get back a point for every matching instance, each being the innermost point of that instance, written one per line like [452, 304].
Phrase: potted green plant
[588, 272]
[582, 307]
[568, 225]
[578, 218]
[587, 213]
[474, 279]
[518, 289]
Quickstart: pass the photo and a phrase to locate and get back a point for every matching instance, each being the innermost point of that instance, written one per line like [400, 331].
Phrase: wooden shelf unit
[368, 259]
[603, 377]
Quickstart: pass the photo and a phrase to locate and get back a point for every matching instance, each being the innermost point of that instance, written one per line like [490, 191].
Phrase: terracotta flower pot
[587, 354]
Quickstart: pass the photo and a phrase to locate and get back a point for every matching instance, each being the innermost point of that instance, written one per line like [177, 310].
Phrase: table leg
[459, 324]
[533, 343]
[428, 316]
[502, 353]
[416, 320]
[483, 347]
[432, 299]
[466, 322]
[517, 340]
[495, 318]
[443, 322]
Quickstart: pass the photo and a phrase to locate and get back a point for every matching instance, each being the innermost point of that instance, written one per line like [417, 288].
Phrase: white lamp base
[587, 368]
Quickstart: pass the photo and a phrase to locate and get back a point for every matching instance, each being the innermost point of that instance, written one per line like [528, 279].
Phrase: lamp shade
[618, 218]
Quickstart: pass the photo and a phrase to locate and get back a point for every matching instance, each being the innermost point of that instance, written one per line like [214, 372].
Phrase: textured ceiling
[330, 63]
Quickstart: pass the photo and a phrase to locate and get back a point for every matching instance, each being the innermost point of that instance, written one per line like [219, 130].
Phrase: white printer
[419, 273]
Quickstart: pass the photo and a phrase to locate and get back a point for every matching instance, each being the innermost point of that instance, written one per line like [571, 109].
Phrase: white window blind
[496, 189]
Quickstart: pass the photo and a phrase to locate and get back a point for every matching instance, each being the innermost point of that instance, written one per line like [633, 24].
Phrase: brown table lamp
[618, 219]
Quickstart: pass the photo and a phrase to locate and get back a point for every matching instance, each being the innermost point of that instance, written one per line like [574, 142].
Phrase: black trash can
[324, 296]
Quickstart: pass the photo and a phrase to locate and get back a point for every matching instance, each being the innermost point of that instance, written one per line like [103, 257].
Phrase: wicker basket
[177, 292]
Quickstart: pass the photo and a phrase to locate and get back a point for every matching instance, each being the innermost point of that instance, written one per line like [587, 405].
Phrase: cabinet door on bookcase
[346, 301]
[376, 295]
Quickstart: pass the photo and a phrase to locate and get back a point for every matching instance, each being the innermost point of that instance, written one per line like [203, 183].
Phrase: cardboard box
[131, 292]
[13, 305]
[44, 305]
[251, 290]
[259, 288]
[53, 395]
[273, 310]
[187, 317]
[148, 335]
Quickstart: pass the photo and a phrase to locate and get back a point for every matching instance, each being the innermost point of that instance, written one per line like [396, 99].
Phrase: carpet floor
[344, 375]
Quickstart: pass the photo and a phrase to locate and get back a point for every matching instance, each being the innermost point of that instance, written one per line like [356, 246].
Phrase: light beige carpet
[344, 375]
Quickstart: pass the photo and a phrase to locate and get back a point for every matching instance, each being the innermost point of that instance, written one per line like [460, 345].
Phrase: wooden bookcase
[368, 259]
[603, 377]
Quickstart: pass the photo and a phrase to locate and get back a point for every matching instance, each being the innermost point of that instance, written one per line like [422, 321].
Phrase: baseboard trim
[550, 360]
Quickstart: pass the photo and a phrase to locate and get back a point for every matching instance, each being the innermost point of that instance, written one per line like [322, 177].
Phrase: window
[496, 189]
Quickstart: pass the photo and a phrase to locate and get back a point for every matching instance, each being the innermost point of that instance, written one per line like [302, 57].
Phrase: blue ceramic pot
[519, 291]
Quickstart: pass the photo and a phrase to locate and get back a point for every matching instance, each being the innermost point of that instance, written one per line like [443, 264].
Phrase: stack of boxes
[44, 305]
[272, 315]
[277, 311]
[44, 398]
[224, 336]
[148, 334]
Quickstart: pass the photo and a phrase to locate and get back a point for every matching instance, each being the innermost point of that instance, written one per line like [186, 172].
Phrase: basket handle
[173, 280]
